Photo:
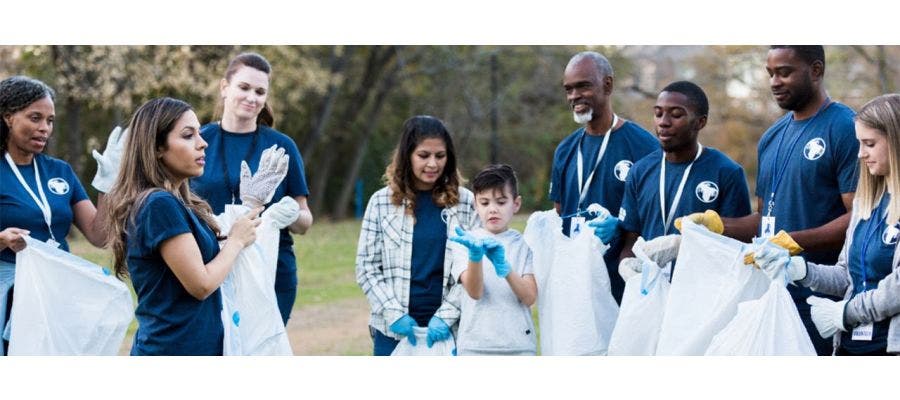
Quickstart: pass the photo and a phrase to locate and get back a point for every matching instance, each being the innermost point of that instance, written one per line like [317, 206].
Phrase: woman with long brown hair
[165, 237]
[403, 260]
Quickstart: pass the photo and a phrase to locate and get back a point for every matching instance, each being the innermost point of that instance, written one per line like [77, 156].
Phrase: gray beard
[584, 118]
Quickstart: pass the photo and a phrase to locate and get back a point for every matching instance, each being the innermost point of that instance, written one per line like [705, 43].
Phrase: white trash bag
[576, 309]
[709, 280]
[641, 315]
[770, 326]
[66, 305]
[442, 348]
[250, 314]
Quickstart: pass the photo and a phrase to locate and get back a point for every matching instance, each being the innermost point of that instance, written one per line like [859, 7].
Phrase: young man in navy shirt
[606, 148]
[807, 168]
[680, 178]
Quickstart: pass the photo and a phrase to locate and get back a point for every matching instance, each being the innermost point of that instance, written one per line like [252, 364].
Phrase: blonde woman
[164, 236]
[867, 274]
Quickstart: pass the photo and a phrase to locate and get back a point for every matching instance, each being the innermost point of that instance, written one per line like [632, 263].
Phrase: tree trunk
[371, 123]
[338, 60]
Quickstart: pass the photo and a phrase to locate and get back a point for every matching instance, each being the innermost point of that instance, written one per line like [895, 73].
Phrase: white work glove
[629, 267]
[257, 190]
[284, 212]
[661, 250]
[827, 315]
[774, 260]
[108, 163]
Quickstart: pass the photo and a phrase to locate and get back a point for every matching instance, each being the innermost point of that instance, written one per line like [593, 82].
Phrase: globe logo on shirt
[814, 149]
[58, 186]
[707, 191]
[891, 234]
[621, 169]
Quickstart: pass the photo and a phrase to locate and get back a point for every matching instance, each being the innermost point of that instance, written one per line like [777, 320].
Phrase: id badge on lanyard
[577, 223]
[41, 202]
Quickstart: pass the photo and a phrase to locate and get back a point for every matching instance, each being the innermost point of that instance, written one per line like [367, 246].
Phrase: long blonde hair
[882, 114]
[142, 173]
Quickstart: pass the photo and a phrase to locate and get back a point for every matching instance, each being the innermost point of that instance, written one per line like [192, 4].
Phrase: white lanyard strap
[584, 185]
[667, 220]
[42, 201]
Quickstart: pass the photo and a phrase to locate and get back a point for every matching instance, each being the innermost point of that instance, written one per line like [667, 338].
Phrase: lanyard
[667, 220]
[868, 239]
[41, 202]
[583, 187]
[778, 176]
[233, 189]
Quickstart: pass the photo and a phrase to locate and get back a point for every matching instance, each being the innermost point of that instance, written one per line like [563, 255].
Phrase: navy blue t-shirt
[815, 160]
[816, 163]
[18, 209]
[427, 266]
[170, 320]
[626, 145]
[877, 241]
[715, 183]
[217, 188]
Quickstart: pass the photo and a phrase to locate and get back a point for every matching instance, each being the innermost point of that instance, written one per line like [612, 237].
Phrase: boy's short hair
[496, 176]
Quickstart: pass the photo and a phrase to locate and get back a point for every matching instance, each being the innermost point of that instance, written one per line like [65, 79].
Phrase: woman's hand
[244, 228]
[13, 239]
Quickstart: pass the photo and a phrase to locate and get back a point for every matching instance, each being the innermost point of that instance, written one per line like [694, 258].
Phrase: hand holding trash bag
[438, 330]
[827, 315]
[606, 228]
[629, 267]
[773, 260]
[497, 254]
[709, 218]
[404, 327]
[469, 241]
[661, 250]
[244, 228]
[257, 190]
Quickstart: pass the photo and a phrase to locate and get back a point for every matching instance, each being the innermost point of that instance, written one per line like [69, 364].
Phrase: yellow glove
[781, 239]
[709, 218]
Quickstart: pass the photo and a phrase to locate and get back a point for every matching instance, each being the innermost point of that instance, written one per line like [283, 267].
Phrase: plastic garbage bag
[66, 305]
[643, 307]
[250, 314]
[442, 348]
[770, 326]
[576, 309]
[709, 280]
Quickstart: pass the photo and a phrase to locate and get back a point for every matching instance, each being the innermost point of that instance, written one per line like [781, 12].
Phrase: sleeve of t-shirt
[459, 260]
[296, 176]
[845, 153]
[161, 218]
[556, 176]
[528, 264]
[736, 201]
[78, 192]
[631, 221]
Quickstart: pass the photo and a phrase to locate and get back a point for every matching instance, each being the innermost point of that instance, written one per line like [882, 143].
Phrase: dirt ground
[338, 328]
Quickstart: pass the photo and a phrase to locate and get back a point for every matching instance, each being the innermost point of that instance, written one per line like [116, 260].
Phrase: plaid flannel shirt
[384, 256]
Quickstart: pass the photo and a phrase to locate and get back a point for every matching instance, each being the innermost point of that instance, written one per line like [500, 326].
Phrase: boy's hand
[495, 252]
[475, 245]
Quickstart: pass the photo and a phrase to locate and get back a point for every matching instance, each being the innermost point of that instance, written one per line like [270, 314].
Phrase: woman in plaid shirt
[403, 259]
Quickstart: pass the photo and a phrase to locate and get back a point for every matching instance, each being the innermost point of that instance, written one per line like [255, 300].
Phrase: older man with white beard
[591, 164]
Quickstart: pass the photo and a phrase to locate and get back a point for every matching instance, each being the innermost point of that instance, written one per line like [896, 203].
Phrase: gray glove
[108, 163]
[661, 250]
[629, 267]
[257, 190]
[827, 315]
[284, 212]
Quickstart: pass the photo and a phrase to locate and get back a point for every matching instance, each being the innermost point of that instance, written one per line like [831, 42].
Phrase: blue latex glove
[495, 252]
[605, 229]
[438, 330]
[404, 327]
[475, 245]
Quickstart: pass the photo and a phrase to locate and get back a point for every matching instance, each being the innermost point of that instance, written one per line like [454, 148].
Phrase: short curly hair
[16, 94]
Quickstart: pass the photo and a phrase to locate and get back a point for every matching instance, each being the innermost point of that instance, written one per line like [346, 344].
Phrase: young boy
[494, 266]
